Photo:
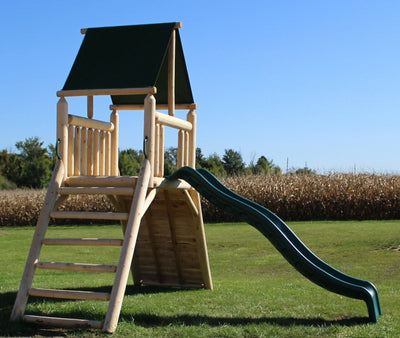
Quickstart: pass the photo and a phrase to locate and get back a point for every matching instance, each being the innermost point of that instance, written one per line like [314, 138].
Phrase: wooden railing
[89, 146]
[155, 123]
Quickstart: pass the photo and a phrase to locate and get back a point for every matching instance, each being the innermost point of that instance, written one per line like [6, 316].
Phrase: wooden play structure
[142, 68]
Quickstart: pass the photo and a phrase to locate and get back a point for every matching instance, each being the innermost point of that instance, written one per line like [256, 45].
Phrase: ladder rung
[83, 241]
[113, 216]
[96, 190]
[68, 294]
[76, 267]
[63, 322]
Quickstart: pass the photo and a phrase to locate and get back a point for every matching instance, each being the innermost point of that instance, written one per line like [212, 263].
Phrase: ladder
[132, 219]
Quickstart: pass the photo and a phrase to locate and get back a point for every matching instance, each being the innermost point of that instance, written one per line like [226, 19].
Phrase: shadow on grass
[19, 329]
[147, 320]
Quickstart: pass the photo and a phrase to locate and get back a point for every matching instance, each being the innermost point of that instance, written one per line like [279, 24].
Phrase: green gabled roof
[130, 57]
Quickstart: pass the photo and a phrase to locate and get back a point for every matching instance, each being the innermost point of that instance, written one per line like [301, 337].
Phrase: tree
[170, 160]
[5, 184]
[32, 166]
[266, 167]
[233, 162]
[276, 170]
[263, 166]
[52, 150]
[305, 171]
[129, 162]
[200, 159]
[214, 164]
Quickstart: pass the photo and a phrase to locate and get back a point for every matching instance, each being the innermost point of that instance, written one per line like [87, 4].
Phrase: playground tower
[141, 68]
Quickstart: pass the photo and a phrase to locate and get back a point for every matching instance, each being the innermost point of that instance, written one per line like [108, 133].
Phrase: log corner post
[62, 132]
[114, 143]
[192, 118]
[149, 132]
[171, 74]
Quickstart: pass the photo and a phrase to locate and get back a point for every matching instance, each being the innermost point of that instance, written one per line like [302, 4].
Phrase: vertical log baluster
[181, 148]
[96, 139]
[161, 152]
[84, 151]
[186, 149]
[77, 152]
[90, 152]
[71, 150]
[108, 154]
[157, 151]
[102, 153]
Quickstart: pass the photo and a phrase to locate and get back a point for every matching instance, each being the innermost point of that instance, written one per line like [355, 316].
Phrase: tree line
[32, 165]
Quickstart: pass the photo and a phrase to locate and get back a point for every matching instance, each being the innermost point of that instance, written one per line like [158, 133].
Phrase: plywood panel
[167, 252]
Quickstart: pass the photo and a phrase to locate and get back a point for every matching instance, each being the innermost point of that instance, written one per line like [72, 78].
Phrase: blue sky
[300, 82]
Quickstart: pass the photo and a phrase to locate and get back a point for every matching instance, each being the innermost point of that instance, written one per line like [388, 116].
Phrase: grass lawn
[256, 292]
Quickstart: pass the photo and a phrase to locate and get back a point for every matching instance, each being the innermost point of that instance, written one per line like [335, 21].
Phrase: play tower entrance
[142, 68]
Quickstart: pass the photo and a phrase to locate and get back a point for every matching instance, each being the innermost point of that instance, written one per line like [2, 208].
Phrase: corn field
[318, 197]
[291, 197]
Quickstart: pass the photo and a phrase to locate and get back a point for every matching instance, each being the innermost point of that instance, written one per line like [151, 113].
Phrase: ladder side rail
[132, 230]
[40, 231]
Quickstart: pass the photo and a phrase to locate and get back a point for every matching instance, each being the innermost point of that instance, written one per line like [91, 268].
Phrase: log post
[62, 132]
[114, 143]
[192, 118]
[90, 106]
[149, 131]
[171, 74]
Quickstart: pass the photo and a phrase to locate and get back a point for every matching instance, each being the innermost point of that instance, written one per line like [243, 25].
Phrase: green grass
[256, 292]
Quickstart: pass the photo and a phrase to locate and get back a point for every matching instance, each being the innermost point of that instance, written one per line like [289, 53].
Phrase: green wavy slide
[283, 238]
